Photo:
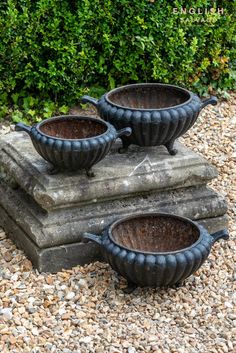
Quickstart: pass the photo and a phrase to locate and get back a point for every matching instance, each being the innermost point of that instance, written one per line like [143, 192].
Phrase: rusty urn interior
[148, 96]
[155, 233]
[72, 128]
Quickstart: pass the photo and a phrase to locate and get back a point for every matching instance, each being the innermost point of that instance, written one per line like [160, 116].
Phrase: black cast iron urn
[155, 249]
[72, 142]
[157, 113]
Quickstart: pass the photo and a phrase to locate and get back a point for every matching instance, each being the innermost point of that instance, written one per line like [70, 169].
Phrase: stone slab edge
[66, 226]
[52, 259]
[117, 176]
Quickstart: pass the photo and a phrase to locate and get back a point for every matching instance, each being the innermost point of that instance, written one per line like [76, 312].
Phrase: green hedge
[57, 48]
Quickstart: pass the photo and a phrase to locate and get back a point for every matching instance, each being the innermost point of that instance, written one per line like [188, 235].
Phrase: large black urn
[157, 113]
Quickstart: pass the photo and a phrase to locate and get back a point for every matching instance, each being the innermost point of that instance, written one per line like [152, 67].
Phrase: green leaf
[64, 109]
[17, 116]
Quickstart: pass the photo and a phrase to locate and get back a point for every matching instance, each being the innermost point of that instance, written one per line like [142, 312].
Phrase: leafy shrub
[54, 50]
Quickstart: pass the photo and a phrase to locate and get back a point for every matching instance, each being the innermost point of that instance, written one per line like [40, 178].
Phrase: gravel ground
[85, 309]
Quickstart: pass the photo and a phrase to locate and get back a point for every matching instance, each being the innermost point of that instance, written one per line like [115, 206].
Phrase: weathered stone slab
[56, 258]
[51, 259]
[140, 170]
[66, 226]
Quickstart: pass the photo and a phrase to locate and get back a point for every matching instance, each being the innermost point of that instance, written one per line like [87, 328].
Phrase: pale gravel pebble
[6, 313]
[85, 310]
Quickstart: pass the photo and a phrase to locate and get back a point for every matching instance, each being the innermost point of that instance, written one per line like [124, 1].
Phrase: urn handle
[23, 127]
[221, 234]
[124, 132]
[211, 100]
[95, 238]
[88, 99]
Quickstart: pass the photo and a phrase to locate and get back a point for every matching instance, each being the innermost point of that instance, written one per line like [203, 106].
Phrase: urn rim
[137, 85]
[70, 117]
[195, 225]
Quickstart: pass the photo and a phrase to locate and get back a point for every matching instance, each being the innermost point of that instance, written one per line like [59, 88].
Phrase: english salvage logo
[199, 14]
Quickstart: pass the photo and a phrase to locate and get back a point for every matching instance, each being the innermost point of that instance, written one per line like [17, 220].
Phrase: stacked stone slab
[46, 214]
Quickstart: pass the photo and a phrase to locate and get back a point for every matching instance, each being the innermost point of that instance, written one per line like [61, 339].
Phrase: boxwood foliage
[55, 49]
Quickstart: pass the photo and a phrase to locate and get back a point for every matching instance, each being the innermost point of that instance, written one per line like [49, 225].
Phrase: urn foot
[130, 288]
[90, 173]
[124, 148]
[52, 170]
[170, 147]
[179, 284]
